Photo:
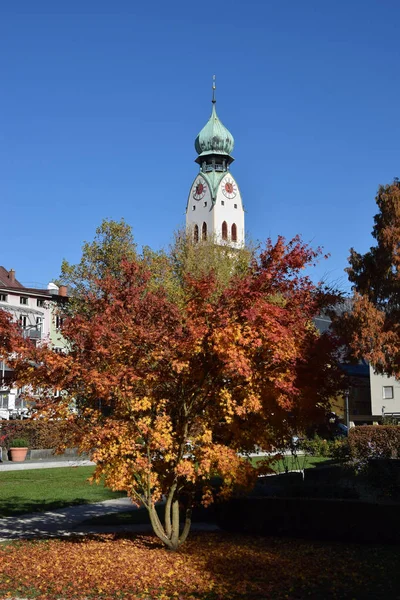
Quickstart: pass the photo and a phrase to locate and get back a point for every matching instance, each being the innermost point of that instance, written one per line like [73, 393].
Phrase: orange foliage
[10, 334]
[168, 393]
[212, 567]
[372, 326]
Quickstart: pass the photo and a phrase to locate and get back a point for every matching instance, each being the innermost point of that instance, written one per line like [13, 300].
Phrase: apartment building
[35, 311]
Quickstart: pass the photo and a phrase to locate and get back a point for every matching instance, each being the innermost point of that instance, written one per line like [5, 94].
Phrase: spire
[214, 138]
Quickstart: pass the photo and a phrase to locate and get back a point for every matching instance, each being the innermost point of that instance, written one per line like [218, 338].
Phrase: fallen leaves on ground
[208, 567]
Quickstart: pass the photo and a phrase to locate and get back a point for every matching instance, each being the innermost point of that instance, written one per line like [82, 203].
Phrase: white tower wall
[228, 208]
[231, 211]
[199, 208]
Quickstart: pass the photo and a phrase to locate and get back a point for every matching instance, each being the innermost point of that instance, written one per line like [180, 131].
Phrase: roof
[20, 309]
[6, 281]
[360, 369]
[214, 138]
[213, 178]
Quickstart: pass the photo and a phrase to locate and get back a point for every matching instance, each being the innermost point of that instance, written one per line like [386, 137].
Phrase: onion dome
[214, 138]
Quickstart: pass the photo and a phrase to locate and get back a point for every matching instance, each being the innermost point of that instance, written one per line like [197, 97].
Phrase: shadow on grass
[326, 463]
[141, 517]
[282, 568]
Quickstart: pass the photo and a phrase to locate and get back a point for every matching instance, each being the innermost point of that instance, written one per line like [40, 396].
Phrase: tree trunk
[170, 534]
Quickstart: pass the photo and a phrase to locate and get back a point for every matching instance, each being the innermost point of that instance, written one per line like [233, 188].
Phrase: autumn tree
[372, 327]
[11, 340]
[10, 335]
[112, 244]
[178, 373]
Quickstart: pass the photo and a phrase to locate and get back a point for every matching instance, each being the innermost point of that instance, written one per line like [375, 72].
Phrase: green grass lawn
[292, 463]
[38, 490]
[140, 517]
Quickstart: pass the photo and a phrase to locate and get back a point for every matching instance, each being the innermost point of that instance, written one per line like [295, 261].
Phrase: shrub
[383, 475]
[19, 443]
[374, 441]
[11, 430]
[39, 434]
[317, 518]
[337, 449]
[316, 446]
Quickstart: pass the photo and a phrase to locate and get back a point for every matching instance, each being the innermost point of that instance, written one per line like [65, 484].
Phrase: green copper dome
[214, 138]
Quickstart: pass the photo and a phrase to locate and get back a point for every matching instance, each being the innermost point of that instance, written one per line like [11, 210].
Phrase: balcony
[32, 333]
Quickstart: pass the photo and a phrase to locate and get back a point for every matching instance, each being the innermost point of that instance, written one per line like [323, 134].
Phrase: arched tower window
[224, 230]
[196, 233]
[204, 231]
[234, 233]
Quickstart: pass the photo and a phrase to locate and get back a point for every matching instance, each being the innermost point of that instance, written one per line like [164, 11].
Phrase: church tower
[214, 209]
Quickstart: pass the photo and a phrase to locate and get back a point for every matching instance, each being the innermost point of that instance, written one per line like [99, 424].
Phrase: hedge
[40, 434]
[314, 518]
[374, 441]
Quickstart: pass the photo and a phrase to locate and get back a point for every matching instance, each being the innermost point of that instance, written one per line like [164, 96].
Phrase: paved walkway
[43, 464]
[60, 522]
[55, 462]
[68, 521]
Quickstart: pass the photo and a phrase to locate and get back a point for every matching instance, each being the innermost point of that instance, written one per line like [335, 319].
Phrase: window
[388, 392]
[204, 231]
[3, 298]
[23, 319]
[40, 303]
[224, 230]
[205, 204]
[59, 321]
[196, 233]
[194, 207]
[235, 206]
[39, 323]
[222, 202]
[20, 402]
[23, 300]
[4, 400]
[234, 233]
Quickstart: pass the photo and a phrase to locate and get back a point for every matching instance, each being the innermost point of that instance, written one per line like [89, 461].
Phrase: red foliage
[374, 441]
[168, 392]
[213, 566]
[10, 334]
[39, 433]
[372, 327]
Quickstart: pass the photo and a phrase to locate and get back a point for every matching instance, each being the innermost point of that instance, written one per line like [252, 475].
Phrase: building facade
[35, 311]
[371, 396]
[385, 395]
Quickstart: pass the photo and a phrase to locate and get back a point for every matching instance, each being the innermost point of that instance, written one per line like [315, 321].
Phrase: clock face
[200, 189]
[229, 188]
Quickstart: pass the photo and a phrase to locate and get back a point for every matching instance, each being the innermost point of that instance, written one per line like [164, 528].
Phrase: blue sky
[101, 101]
